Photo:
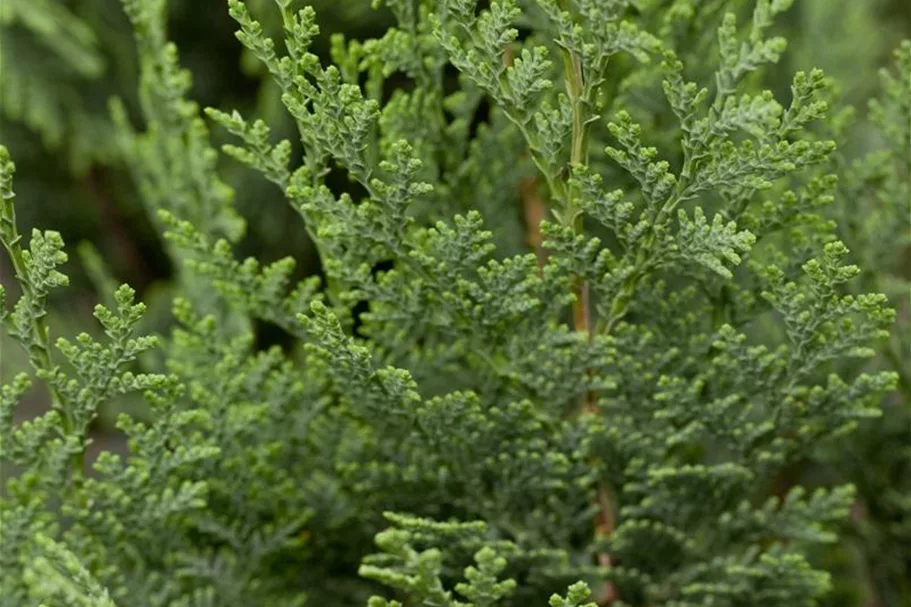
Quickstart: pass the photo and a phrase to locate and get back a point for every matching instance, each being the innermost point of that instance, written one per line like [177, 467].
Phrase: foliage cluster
[587, 300]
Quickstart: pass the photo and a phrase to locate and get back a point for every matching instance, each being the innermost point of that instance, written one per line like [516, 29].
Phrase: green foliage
[417, 574]
[53, 67]
[613, 416]
[874, 214]
[57, 573]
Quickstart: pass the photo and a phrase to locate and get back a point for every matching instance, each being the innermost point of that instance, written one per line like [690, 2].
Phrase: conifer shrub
[586, 303]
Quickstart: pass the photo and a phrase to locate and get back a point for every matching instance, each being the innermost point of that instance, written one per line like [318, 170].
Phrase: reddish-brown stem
[582, 314]
[604, 519]
[604, 528]
[534, 213]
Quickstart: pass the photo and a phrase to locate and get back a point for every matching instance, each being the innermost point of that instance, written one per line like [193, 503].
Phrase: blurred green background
[62, 60]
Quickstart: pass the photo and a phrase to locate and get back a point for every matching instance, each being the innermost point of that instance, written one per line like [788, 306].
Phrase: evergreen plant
[582, 306]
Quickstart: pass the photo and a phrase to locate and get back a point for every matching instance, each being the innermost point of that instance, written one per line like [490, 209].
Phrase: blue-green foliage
[603, 421]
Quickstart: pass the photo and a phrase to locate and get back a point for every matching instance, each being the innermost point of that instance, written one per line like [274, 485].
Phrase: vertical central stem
[578, 157]
[534, 214]
[582, 313]
[581, 308]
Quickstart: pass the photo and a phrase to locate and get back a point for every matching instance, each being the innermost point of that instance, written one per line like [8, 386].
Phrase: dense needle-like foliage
[589, 298]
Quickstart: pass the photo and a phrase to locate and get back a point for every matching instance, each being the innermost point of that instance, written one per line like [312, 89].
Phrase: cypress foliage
[586, 300]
